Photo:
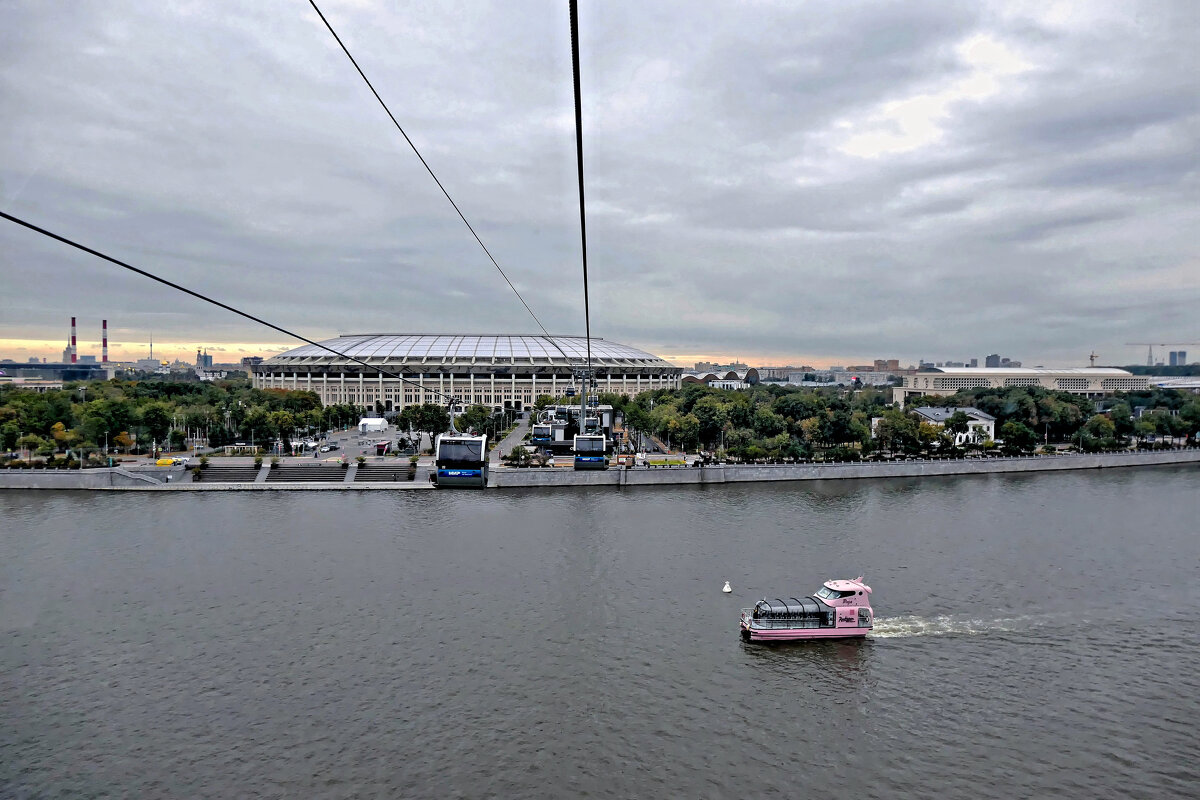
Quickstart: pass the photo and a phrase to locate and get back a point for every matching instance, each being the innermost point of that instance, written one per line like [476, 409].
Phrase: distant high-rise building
[992, 361]
[1178, 358]
[974, 362]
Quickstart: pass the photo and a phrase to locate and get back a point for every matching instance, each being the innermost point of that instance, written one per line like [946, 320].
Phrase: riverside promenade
[327, 477]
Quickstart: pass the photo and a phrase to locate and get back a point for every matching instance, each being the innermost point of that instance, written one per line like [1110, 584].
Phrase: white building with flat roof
[1089, 381]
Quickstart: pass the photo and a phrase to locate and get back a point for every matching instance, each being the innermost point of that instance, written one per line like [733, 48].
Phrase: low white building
[1087, 381]
[980, 426]
[372, 424]
[723, 379]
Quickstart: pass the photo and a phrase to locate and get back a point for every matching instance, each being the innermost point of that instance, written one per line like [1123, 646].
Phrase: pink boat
[839, 610]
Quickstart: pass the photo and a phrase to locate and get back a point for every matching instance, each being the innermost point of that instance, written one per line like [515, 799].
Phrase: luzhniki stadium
[505, 371]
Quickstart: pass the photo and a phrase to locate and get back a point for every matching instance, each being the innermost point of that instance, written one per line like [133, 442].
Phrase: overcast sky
[792, 182]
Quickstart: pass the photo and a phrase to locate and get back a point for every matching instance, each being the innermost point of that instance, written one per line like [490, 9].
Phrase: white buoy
[726, 588]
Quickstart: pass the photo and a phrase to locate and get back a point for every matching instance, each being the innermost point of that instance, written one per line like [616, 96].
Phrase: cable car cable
[587, 319]
[449, 398]
[428, 169]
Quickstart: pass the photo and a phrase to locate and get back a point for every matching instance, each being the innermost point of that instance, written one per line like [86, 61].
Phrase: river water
[1037, 635]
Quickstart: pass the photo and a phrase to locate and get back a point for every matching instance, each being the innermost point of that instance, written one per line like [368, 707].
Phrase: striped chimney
[104, 341]
[73, 351]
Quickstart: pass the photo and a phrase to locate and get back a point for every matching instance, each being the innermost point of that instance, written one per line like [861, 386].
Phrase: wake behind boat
[839, 610]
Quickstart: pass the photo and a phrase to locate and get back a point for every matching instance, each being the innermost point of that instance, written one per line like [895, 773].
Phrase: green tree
[897, 432]
[35, 444]
[1018, 437]
[1098, 433]
[105, 418]
[156, 419]
[712, 416]
[283, 423]
[767, 423]
[474, 418]
[431, 418]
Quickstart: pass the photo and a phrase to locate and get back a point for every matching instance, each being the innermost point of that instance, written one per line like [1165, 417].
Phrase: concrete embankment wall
[103, 478]
[180, 480]
[738, 473]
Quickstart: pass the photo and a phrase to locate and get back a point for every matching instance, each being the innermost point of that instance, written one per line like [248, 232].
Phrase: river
[1037, 635]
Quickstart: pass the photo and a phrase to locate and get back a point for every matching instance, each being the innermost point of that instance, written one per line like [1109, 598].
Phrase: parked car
[165, 462]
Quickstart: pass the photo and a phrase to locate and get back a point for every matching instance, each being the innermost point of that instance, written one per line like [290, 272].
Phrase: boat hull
[801, 634]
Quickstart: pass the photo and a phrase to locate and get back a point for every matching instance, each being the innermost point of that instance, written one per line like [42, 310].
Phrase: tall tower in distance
[104, 341]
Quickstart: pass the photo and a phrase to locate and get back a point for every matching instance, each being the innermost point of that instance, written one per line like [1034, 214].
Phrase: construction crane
[1150, 348]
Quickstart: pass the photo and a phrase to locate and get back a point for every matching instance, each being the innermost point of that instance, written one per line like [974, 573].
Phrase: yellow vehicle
[165, 462]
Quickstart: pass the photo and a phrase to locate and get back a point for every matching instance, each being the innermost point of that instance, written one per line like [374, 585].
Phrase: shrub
[274, 462]
[361, 460]
[196, 473]
[258, 461]
[203, 461]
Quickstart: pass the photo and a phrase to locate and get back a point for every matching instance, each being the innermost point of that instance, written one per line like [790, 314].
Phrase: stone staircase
[306, 473]
[385, 473]
[229, 473]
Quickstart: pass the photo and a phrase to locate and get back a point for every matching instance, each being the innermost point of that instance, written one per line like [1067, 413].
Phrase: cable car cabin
[589, 451]
[461, 461]
[570, 392]
[541, 433]
[591, 425]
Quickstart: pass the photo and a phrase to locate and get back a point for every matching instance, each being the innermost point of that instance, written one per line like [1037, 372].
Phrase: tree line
[781, 423]
[141, 416]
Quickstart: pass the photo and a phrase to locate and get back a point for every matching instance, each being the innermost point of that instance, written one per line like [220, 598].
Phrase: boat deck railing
[778, 623]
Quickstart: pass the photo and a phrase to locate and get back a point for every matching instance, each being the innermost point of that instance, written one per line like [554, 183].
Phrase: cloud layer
[790, 181]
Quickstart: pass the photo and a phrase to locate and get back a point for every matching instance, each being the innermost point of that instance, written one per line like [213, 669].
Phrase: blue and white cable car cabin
[461, 461]
[589, 451]
[542, 433]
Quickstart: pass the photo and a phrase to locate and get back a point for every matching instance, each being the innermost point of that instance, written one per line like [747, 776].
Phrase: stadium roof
[482, 349]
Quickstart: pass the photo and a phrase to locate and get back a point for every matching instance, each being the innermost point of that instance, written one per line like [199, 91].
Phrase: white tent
[372, 424]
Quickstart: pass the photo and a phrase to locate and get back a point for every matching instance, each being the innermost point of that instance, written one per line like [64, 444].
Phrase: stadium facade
[502, 371]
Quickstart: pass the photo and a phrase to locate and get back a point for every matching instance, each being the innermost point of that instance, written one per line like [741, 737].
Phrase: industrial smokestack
[104, 341]
[73, 351]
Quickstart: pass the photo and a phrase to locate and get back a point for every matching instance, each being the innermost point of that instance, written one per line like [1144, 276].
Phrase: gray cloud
[775, 180]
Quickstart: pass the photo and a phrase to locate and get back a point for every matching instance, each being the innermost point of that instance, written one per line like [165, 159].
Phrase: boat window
[826, 593]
